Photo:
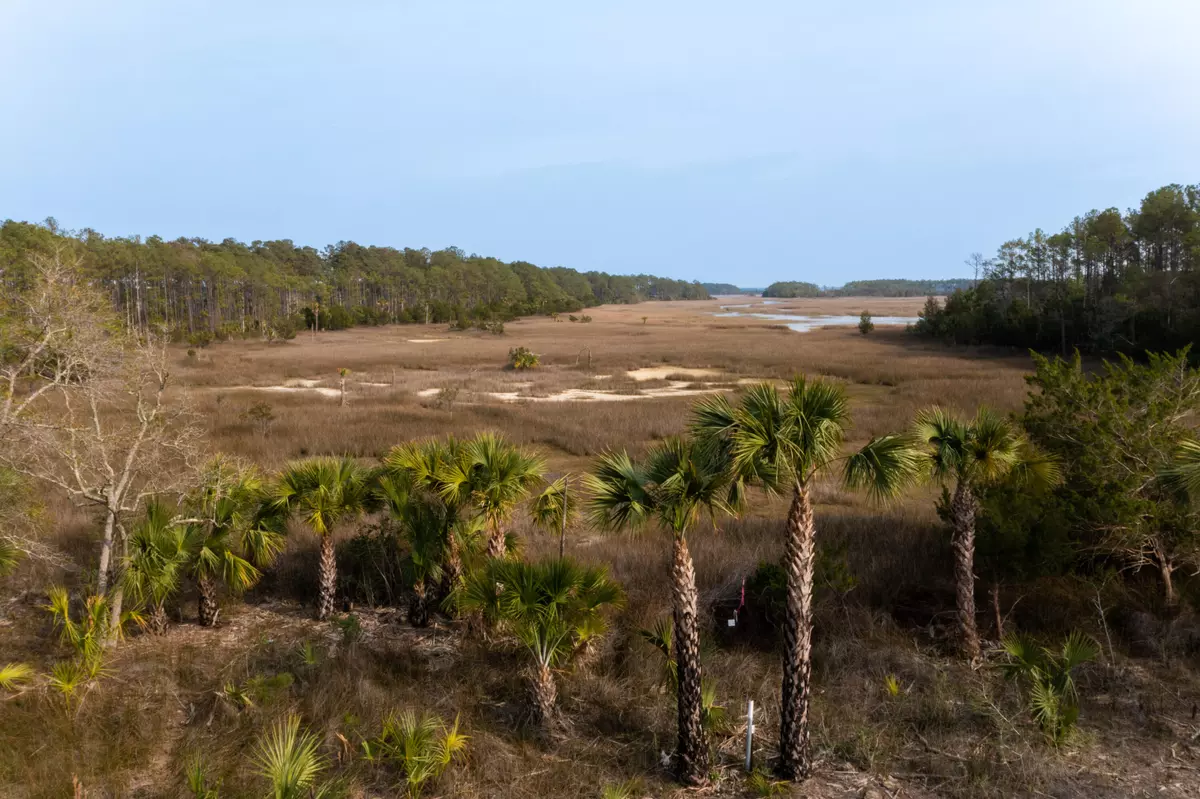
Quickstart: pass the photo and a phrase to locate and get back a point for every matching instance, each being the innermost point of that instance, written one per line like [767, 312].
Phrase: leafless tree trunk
[88, 412]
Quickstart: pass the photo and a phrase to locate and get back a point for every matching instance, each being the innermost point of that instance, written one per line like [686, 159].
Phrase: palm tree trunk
[495, 548]
[327, 578]
[543, 692]
[208, 601]
[691, 751]
[158, 619]
[452, 570]
[963, 509]
[795, 753]
[418, 611]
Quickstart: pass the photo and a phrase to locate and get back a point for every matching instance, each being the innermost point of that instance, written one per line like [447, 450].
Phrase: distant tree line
[900, 288]
[723, 288]
[202, 289]
[870, 288]
[1107, 282]
[790, 289]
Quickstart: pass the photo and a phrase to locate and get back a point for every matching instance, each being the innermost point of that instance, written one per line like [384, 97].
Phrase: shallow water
[802, 323]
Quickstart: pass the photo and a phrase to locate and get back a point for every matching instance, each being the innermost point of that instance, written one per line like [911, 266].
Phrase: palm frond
[618, 497]
[1182, 476]
[994, 447]
[289, 759]
[15, 675]
[547, 509]
[9, 556]
[945, 440]
[885, 466]
[819, 411]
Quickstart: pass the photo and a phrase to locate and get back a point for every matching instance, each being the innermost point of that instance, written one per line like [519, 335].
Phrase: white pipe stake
[749, 733]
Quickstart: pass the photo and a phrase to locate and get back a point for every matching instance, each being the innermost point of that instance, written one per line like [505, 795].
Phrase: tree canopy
[204, 289]
[1107, 282]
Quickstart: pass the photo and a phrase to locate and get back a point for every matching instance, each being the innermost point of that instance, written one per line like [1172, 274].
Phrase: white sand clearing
[663, 372]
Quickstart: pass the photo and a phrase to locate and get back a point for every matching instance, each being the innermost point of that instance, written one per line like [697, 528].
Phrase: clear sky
[741, 142]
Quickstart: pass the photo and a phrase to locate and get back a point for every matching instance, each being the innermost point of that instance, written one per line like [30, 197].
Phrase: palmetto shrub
[1047, 676]
[288, 758]
[554, 608]
[523, 358]
[422, 747]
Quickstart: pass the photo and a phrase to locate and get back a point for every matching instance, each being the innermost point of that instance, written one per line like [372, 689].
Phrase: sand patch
[324, 392]
[675, 389]
[663, 372]
[424, 340]
[429, 392]
[375, 385]
[298, 382]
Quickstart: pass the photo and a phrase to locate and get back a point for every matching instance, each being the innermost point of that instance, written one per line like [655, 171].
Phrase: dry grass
[952, 731]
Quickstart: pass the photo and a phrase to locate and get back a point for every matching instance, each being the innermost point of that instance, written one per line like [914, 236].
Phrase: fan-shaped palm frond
[1182, 476]
[685, 478]
[945, 438]
[14, 675]
[322, 491]
[9, 555]
[618, 495]
[547, 509]
[289, 759]
[885, 466]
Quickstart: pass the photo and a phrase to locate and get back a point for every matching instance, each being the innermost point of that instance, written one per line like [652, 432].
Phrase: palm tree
[972, 455]
[554, 608]
[226, 539]
[777, 442]
[156, 562]
[422, 523]
[677, 481]
[419, 466]
[323, 491]
[493, 475]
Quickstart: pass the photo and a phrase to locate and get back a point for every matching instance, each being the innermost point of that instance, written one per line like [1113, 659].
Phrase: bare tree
[87, 408]
[54, 333]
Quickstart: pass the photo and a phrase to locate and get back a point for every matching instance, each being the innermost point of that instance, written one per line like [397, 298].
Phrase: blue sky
[742, 142]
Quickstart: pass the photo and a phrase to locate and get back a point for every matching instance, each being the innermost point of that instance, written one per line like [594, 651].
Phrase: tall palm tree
[786, 441]
[227, 541]
[554, 608]
[323, 492]
[676, 482]
[493, 475]
[156, 563]
[422, 524]
[971, 455]
[419, 465]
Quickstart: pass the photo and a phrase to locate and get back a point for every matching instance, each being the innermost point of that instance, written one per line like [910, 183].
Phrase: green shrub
[865, 325]
[522, 358]
[1047, 675]
[422, 747]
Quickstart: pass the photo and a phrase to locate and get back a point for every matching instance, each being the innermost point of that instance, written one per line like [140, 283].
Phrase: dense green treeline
[723, 288]
[1107, 282]
[199, 288]
[900, 288]
[790, 289]
[897, 287]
